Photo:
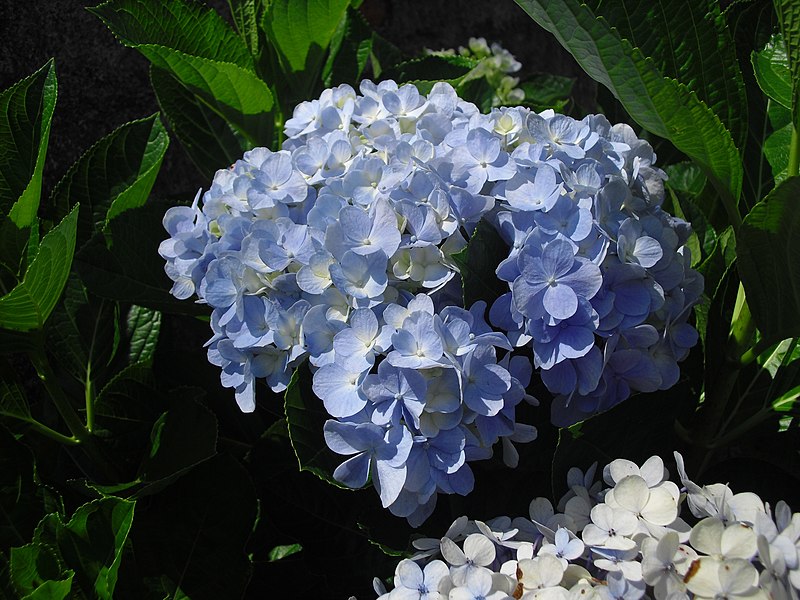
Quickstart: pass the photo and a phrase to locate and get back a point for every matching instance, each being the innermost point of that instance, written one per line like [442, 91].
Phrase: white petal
[479, 549]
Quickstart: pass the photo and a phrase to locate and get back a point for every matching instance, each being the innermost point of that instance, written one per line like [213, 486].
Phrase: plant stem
[89, 398]
[60, 400]
[52, 433]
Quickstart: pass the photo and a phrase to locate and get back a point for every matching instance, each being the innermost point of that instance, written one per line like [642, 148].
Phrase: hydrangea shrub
[341, 249]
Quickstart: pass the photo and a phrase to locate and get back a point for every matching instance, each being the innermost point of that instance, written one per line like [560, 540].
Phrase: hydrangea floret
[337, 251]
[632, 543]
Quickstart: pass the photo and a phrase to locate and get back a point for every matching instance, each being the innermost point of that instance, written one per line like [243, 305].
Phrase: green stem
[89, 398]
[62, 403]
[794, 154]
[52, 433]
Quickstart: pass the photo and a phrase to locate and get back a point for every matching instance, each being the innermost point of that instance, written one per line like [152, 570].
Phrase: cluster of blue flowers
[337, 250]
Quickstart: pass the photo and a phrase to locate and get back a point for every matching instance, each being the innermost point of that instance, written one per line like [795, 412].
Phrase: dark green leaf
[13, 402]
[688, 41]
[661, 105]
[350, 51]
[188, 27]
[776, 149]
[432, 68]
[768, 245]
[547, 91]
[21, 505]
[29, 304]
[685, 177]
[35, 570]
[279, 552]
[782, 354]
[26, 110]
[245, 18]
[131, 269]
[305, 418]
[192, 535]
[114, 175]
[477, 263]
[207, 138]
[183, 437]
[143, 327]
[91, 542]
[82, 332]
[301, 31]
[771, 67]
[788, 12]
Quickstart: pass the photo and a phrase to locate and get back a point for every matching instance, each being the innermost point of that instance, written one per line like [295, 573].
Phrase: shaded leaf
[131, 269]
[83, 332]
[36, 573]
[207, 138]
[143, 326]
[788, 12]
[91, 542]
[477, 263]
[547, 91]
[13, 402]
[192, 535]
[21, 506]
[776, 149]
[768, 245]
[661, 105]
[187, 27]
[26, 111]
[350, 50]
[114, 175]
[771, 68]
[29, 304]
[305, 418]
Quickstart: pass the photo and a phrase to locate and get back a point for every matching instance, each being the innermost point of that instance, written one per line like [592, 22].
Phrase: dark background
[102, 84]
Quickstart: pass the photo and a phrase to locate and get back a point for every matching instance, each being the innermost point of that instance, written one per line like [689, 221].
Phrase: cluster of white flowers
[337, 250]
[496, 66]
[627, 541]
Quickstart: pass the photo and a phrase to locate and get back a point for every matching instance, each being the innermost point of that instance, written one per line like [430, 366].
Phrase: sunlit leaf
[29, 304]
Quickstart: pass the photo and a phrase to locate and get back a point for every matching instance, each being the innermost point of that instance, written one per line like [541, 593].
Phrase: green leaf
[83, 332]
[26, 111]
[788, 12]
[784, 353]
[192, 535]
[188, 27]
[114, 175]
[207, 138]
[21, 505]
[350, 50]
[29, 304]
[36, 573]
[432, 68]
[776, 149]
[91, 542]
[547, 91]
[131, 269]
[245, 18]
[688, 41]
[231, 91]
[661, 105]
[768, 246]
[771, 67]
[279, 552]
[477, 263]
[301, 31]
[305, 418]
[202, 52]
[13, 402]
[144, 325]
[182, 437]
